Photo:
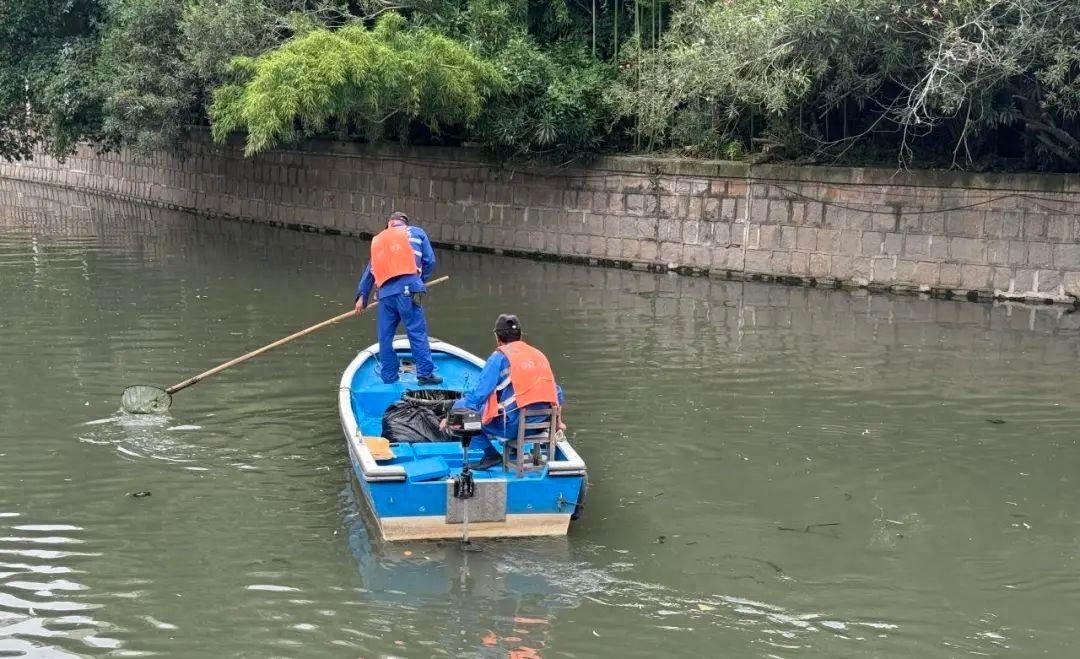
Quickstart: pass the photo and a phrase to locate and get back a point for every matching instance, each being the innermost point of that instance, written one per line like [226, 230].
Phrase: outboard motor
[464, 424]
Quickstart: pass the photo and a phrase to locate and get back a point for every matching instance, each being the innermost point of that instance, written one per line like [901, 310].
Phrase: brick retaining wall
[944, 233]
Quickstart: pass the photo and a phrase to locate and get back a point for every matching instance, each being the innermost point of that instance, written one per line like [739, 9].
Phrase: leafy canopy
[967, 83]
[40, 42]
[149, 91]
[926, 81]
[556, 106]
[376, 80]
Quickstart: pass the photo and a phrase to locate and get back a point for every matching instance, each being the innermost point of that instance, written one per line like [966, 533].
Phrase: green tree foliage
[70, 109]
[149, 90]
[215, 31]
[41, 44]
[159, 60]
[946, 81]
[555, 106]
[212, 33]
[967, 83]
[373, 81]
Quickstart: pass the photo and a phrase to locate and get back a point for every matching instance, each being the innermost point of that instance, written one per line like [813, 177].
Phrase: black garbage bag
[406, 421]
[439, 400]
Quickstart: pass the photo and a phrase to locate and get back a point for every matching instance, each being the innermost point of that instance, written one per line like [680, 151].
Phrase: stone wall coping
[661, 166]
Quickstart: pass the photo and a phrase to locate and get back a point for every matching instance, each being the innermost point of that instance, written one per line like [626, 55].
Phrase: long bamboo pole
[280, 342]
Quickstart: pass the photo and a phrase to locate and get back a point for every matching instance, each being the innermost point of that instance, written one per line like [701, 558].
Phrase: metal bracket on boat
[464, 485]
[562, 501]
[488, 503]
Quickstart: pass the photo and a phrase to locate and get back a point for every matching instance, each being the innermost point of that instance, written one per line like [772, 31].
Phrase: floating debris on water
[272, 588]
[140, 494]
[185, 427]
[996, 421]
[808, 527]
[159, 624]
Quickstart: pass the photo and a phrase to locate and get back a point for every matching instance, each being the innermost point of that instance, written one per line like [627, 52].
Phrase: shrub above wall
[975, 85]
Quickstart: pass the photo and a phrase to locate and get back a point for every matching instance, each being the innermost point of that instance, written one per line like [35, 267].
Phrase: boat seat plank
[379, 447]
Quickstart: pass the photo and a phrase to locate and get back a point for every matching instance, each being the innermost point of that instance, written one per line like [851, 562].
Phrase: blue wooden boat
[411, 494]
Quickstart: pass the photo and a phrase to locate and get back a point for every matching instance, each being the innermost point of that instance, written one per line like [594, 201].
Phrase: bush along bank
[961, 84]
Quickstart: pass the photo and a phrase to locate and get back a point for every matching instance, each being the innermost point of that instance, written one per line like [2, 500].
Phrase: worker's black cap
[398, 215]
[507, 322]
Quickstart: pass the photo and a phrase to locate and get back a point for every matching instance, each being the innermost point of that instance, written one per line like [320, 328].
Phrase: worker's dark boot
[428, 379]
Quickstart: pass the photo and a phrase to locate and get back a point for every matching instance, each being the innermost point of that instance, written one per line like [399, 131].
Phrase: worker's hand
[562, 426]
[359, 304]
[442, 425]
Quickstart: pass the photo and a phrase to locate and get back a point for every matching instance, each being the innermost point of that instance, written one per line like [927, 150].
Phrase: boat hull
[408, 505]
[435, 527]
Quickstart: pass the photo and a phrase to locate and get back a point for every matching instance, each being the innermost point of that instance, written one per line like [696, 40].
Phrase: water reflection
[523, 591]
[44, 609]
[775, 471]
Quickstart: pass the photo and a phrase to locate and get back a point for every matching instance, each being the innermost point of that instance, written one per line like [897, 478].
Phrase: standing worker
[401, 261]
[515, 376]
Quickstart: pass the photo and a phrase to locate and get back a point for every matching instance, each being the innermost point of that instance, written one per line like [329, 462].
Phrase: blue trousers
[394, 309]
[483, 442]
[504, 427]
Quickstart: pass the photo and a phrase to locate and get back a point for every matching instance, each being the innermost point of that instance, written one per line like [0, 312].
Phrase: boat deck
[433, 460]
[371, 396]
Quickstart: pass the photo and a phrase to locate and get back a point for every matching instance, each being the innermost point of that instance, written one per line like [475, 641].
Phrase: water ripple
[765, 462]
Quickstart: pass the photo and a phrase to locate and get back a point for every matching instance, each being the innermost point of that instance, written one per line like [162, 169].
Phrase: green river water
[775, 472]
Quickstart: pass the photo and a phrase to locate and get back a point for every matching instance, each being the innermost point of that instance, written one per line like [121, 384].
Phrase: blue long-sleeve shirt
[477, 397]
[425, 260]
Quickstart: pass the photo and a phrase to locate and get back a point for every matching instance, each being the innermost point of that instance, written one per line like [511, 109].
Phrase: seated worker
[515, 375]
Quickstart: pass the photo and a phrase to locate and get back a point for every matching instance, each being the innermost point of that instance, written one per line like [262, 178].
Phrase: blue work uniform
[505, 426]
[397, 305]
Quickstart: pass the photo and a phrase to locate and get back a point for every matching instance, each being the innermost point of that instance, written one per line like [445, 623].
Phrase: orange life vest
[532, 379]
[392, 255]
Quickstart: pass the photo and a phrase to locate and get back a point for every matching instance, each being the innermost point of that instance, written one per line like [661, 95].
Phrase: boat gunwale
[372, 470]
